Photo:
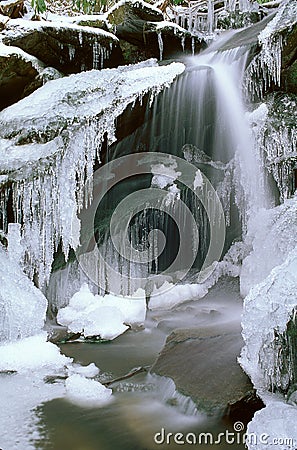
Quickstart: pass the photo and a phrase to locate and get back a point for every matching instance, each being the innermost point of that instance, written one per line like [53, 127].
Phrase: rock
[12, 8]
[133, 9]
[20, 74]
[289, 62]
[68, 47]
[203, 364]
[162, 40]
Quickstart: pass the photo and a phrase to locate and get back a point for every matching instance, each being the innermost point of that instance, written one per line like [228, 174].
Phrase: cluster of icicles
[46, 205]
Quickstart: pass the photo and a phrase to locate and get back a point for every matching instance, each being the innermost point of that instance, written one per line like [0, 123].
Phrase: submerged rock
[203, 365]
[68, 47]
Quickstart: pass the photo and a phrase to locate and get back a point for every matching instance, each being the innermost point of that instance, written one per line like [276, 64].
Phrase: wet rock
[69, 48]
[203, 364]
[12, 8]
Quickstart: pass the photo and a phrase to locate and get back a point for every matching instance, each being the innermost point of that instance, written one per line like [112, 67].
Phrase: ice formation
[107, 317]
[22, 305]
[79, 110]
[267, 309]
[87, 393]
[272, 234]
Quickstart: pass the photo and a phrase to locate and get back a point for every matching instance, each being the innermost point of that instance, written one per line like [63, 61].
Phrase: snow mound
[107, 317]
[87, 393]
[31, 354]
[169, 295]
[89, 371]
[22, 305]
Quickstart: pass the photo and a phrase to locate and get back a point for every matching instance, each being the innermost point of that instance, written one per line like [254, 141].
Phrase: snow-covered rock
[68, 47]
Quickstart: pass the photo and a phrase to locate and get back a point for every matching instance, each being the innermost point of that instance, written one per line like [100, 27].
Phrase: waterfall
[202, 120]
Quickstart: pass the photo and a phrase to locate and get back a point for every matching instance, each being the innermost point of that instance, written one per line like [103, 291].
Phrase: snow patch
[87, 393]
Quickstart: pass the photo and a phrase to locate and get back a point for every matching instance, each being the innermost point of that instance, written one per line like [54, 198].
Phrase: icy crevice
[50, 188]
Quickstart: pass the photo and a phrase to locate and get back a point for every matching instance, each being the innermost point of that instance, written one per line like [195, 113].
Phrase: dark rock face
[12, 8]
[289, 62]
[203, 364]
[18, 78]
[68, 48]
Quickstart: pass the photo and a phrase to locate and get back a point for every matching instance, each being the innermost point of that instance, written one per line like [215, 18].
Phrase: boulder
[12, 8]
[203, 364]
[133, 9]
[20, 74]
[68, 47]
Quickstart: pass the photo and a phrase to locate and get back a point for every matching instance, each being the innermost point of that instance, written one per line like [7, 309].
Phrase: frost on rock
[276, 425]
[22, 305]
[269, 327]
[107, 317]
[87, 393]
[49, 143]
[265, 68]
[272, 234]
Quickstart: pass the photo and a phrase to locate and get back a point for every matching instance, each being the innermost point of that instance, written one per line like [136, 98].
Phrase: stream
[145, 403]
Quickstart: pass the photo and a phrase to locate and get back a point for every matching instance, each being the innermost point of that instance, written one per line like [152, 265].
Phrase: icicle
[71, 51]
[160, 42]
[183, 43]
